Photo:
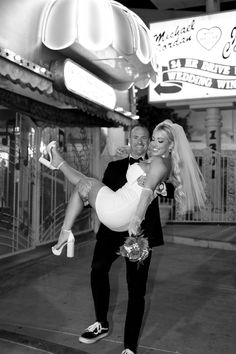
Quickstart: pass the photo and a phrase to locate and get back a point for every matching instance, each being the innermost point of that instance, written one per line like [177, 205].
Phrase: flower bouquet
[136, 248]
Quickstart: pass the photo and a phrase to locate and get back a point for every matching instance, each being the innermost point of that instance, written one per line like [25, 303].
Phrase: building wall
[196, 122]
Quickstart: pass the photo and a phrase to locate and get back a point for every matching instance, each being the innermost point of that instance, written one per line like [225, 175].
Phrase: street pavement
[45, 302]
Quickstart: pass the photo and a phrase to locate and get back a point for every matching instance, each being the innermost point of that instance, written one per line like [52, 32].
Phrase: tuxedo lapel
[115, 174]
[121, 169]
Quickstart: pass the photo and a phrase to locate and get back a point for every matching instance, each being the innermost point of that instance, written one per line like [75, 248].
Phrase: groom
[108, 244]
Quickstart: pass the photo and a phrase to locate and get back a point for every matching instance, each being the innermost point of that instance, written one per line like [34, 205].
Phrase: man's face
[139, 140]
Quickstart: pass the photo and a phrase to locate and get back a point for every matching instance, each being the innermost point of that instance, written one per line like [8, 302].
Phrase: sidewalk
[219, 236]
[190, 304]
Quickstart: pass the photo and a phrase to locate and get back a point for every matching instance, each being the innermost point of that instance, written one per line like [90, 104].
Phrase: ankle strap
[62, 229]
[60, 164]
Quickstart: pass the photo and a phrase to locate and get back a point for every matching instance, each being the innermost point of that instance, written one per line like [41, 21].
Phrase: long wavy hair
[185, 174]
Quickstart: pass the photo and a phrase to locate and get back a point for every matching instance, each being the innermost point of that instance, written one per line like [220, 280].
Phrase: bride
[172, 159]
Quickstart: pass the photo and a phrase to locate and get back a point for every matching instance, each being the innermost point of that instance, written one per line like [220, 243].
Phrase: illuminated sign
[82, 83]
[196, 57]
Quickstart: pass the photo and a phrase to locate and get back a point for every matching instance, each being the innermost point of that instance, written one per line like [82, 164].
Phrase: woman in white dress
[172, 159]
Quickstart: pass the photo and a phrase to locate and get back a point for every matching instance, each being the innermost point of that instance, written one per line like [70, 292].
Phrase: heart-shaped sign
[208, 37]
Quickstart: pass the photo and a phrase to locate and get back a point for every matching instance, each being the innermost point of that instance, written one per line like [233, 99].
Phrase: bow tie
[132, 160]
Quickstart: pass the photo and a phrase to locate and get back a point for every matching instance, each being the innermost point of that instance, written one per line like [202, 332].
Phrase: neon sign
[82, 83]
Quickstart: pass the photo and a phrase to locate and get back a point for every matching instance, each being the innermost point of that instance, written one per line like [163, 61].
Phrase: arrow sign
[168, 87]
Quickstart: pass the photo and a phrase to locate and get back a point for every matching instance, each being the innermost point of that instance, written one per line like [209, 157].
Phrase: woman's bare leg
[86, 186]
[73, 210]
[69, 172]
[86, 189]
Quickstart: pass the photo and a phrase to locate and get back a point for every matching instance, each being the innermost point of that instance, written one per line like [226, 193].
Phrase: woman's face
[160, 144]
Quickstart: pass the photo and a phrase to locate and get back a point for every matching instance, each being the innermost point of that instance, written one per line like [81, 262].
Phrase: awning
[28, 88]
[106, 34]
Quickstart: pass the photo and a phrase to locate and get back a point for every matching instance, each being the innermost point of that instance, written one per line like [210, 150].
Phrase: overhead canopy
[116, 51]
[31, 93]
[105, 33]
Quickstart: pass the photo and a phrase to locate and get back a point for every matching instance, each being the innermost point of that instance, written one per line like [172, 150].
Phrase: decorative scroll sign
[196, 57]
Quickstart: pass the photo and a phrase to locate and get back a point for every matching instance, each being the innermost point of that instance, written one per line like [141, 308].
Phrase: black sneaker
[94, 333]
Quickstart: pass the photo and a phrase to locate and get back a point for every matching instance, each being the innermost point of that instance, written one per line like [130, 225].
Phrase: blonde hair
[185, 174]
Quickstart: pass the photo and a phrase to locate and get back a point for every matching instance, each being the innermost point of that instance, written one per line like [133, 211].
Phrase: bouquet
[136, 248]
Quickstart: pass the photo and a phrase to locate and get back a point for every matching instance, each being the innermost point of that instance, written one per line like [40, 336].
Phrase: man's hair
[139, 126]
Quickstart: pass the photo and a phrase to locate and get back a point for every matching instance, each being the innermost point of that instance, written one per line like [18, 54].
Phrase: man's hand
[123, 151]
[141, 181]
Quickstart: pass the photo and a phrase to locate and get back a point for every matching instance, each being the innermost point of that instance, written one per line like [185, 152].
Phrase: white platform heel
[48, 163]
[70, 243]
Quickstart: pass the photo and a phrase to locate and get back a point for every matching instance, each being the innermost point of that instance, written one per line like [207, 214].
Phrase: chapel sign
[196, 58]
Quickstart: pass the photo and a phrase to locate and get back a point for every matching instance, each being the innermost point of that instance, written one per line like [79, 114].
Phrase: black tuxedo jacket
[115, 178]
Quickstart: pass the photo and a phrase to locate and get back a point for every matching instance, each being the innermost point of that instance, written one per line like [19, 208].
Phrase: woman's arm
[157, 172]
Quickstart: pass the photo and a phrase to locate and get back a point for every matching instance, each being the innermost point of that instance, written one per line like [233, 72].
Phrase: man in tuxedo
[105, 253]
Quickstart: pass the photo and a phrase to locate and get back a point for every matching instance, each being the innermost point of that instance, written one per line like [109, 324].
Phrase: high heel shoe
[70, 243]
[48, 163]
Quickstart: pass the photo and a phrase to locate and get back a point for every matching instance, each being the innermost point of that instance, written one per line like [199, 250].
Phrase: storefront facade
[65, 92]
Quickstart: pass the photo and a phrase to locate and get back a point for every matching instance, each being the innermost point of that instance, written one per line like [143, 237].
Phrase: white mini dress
[115, 209]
